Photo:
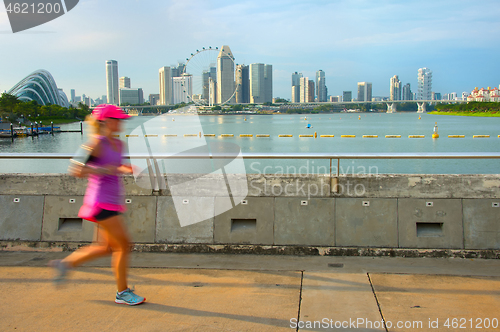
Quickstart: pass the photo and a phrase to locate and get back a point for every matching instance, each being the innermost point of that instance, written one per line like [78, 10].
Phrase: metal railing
[157, 181]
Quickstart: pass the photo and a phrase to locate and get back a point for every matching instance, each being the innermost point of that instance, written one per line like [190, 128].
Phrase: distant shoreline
[479, 114]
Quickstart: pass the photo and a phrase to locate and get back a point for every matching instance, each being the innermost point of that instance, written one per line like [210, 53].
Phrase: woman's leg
[119, 241]
[99, 249]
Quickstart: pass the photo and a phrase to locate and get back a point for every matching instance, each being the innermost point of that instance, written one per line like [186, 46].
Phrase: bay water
[160, 131]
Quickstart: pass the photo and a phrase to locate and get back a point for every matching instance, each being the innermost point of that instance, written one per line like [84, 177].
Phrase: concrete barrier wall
[384, 211]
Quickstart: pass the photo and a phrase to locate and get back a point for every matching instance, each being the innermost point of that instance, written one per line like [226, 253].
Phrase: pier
[33, 130]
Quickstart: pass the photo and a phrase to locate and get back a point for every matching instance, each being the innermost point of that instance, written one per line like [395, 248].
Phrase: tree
[237, 108]
[8, 104]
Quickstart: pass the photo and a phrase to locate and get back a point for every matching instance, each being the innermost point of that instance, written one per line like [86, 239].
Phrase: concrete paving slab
[177, 300]
[438, 303]
[338, 302]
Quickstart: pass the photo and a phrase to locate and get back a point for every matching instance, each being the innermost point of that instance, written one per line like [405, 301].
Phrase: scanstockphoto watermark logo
[309, 180]
[26, 14]
[193, 183]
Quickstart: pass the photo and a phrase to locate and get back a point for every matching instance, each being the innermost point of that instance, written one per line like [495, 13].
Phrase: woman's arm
[81, 170]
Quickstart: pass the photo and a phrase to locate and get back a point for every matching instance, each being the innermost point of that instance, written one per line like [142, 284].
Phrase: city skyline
[357, 42]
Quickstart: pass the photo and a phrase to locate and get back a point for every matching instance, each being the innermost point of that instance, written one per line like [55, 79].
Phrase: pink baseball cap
[105, 111]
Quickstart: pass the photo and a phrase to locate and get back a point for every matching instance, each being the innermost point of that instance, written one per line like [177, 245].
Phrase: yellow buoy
[359, 117]
[435, 134]
[419, 117]
[315, 135]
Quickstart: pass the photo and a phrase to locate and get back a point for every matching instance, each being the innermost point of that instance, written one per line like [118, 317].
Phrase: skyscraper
[311, 91]
[257, 89]
[125, 82]
[130, 96]
[242, 84]
[320, 86]
[347, 96]
[209, 77]
[165, 86]
[268, 83]
[73, 95]
[424, 91]
[112, 82]
[177, 71]
[306, 90]
[225, 76]
[364, 91]
[395, 89]
[182, 89]
[407, 94]
[296, 87]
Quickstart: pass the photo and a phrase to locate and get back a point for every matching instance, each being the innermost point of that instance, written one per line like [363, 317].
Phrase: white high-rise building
[364, 91]
[182, 88]
[395, 89]
[424, 91]
[306, 90]
[112, 82]
[320, 86]
[165, 86]
[125, 82]
[225, 76]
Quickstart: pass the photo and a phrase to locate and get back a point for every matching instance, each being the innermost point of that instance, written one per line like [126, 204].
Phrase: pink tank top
[106, 191]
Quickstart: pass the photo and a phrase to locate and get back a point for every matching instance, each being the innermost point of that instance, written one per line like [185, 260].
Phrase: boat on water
[7, 134]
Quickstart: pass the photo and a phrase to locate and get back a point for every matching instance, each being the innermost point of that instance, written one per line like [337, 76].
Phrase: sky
[350, 40]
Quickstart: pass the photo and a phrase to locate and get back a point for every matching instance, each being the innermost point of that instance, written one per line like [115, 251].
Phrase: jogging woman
[104, 201]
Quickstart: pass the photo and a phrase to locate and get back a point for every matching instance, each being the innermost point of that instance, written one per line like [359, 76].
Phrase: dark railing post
[32, 133]
[81, 127]
[52, 128]
[12, 132]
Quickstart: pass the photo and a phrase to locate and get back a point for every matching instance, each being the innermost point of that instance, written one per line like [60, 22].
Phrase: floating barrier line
[301, 136]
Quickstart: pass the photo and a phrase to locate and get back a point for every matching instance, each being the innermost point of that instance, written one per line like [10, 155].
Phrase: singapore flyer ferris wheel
[211, 71]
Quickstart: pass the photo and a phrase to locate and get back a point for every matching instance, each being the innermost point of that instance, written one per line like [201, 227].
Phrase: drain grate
[336, 265]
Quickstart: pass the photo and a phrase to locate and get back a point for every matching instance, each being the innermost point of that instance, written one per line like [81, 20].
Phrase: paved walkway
[203, 292]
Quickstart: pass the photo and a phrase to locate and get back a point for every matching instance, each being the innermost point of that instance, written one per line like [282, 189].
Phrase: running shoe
[128, 297]
[62, 271]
